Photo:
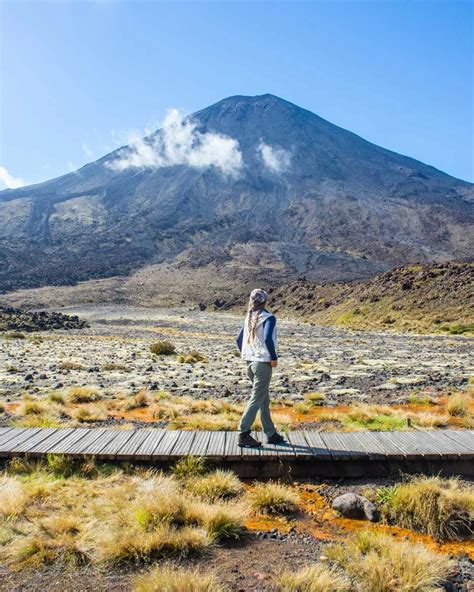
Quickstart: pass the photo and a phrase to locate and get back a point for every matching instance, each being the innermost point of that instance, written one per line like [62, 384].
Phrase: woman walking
[257, 345]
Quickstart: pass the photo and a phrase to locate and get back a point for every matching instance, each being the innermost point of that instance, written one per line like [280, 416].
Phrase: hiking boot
[276, 439]
[246, 441]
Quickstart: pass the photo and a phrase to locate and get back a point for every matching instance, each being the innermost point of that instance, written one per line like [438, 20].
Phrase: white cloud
[8, 181]
[276, 159]
[87, 151]
[180, 143]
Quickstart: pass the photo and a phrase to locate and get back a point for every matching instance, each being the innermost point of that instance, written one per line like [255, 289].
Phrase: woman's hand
[274, 363]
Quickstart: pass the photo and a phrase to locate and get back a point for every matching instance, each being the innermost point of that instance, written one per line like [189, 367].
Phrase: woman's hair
[256, 304]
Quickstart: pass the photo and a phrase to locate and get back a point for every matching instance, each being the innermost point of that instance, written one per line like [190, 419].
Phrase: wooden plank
[130, 448]
[98, 445]
[21, 436]
[343, 447]
[199, 446]
[232, 451]
[166, 444]
[186, 440]
[39, 437]
[464, 437]
[151, 442]
[318, 446]
[113, 447]
[9, 435]
[284, 451]
[448, 448]
[463, 450]
[414, 445]
[216, 445]
[46, 446]
[301, 448]
[79, 449]
[372, 447]
[4, 433]
[69, 441]
[391, 449]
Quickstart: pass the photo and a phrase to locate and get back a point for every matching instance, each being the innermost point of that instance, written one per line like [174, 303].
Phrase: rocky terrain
[258, 190]
[113, 355]
[13, 319]
[437, 298]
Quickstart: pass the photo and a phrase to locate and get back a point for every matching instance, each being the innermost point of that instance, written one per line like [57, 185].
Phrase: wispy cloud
[276, 159]
[87, 151]
[180, 143]
[8, 181]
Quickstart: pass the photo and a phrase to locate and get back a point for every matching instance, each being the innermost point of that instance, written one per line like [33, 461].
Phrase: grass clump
[272, 498]
[139, 401]
[192, 357]
[315, 398]
[83, 394]
[89, 414]
[442, 508]
[457, 405]
[57, 397]
[172, 579]
[189, 466]
[374, 417]
[379, 564]
[314, 578]
[216, 485]
[14, 335]
[163, 348]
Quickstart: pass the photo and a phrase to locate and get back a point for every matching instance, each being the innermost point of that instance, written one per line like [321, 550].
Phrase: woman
[257, 345]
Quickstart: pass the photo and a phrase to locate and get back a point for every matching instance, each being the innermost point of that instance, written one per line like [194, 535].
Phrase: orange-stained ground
[320, 520]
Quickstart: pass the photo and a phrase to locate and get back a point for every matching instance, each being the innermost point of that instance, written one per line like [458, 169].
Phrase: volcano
[249, 187]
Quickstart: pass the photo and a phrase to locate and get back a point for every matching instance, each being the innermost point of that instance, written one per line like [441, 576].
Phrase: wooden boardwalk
[306, 453]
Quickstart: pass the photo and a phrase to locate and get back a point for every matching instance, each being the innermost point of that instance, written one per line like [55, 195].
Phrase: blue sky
[79, 76]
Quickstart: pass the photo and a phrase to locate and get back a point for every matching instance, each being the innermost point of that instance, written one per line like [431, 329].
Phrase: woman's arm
[240, 339]
[268, 328]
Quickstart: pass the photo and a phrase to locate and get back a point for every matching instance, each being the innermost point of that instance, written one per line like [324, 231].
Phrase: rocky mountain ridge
[247, 189]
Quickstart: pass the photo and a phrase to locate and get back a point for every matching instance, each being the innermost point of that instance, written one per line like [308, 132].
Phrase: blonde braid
[252, 320]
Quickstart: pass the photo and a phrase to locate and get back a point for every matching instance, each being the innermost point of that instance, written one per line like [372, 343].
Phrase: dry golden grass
[443, 508]
[379, 564]
[70, 365]
[314, 578]
[140, 400]
[51, 513]
[458, 405]
[166, 578]
[83, 394]
[272, 498]
[90, 413]
[216, 485]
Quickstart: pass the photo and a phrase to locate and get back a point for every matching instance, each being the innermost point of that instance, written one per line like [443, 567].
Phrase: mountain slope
[256, 186]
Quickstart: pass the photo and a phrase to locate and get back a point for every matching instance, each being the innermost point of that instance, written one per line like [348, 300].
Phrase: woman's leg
[267, 423]
[261, 373]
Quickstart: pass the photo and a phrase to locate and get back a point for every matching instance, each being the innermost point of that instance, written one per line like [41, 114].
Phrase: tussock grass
[57, 397]
[379, 564]
[314, 578]
[315, 398]
[272, 498]
[90, 413]
[190, 466]
[163, 348]
[443, 508]
[457, 405]
[192, 357]
[32, 407]
[374, 417]
[140, 400]
[50, 513]
[83, 394]
[167, 578]
[70, 365]
[216, 485]
[203, 421]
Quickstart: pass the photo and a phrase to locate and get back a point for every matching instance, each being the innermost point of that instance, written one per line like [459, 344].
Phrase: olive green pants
[260, 374]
